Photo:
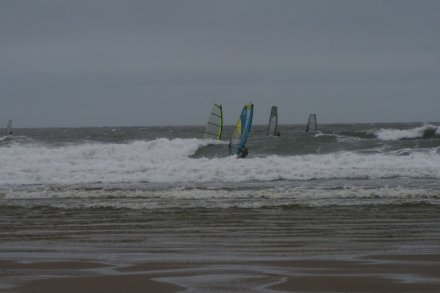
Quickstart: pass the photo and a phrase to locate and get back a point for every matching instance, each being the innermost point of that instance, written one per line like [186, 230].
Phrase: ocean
[124, 195]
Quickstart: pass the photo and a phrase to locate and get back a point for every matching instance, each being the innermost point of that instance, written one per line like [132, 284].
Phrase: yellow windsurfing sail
[214, 128]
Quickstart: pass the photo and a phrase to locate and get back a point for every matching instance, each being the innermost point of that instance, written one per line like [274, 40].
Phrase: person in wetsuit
[243, 154]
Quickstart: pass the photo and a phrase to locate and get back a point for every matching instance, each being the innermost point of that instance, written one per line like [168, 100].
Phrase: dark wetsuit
[243, 154]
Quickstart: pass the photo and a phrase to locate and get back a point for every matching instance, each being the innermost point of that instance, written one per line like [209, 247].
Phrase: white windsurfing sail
[311, 123]
[9, 127]
[241, 130]
[214, 128]
[273, 122]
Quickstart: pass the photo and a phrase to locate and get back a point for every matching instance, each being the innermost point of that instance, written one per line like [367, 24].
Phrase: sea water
[161, 193]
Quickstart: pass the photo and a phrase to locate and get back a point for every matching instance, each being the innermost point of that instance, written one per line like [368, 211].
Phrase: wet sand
[109, 284]
[383, 248]
[372, 273]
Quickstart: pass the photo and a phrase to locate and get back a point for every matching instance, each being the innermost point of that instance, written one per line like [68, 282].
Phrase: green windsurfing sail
[214, 128]
[241, 130]
[311, 123]
[273, 122]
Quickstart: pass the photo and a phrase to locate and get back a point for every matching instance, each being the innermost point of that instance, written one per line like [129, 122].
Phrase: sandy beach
[373, 273]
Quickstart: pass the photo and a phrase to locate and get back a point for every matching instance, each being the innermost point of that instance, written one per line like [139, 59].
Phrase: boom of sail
[311, 123]
[273, 122]
[214, 128]
[241, 130]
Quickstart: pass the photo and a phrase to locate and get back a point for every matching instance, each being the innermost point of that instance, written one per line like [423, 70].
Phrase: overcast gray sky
[148, 62]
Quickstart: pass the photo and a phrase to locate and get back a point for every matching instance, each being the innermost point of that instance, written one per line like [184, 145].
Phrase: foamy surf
[169, 161]
[67, 197]
[424, 131]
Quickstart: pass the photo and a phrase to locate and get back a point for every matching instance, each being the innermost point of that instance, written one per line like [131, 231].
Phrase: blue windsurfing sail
[241, 130]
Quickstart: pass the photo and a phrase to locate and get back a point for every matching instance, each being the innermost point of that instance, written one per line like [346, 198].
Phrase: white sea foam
[169, 161]
[64, 197]
[396, 134]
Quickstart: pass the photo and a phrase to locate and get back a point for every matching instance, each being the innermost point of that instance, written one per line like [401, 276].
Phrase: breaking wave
[169, 161]
[425, 131]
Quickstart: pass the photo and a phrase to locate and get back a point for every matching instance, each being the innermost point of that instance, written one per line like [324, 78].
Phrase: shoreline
[368, 273]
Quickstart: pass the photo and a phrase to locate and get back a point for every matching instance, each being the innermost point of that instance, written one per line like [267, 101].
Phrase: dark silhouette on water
[243, 154]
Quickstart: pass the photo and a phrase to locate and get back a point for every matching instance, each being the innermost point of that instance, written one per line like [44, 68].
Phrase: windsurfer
[243, 154]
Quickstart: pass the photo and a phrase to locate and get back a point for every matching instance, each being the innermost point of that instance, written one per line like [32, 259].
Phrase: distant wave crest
[425, 131]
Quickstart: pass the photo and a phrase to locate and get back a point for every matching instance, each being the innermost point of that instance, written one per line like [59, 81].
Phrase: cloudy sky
[163, 62]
